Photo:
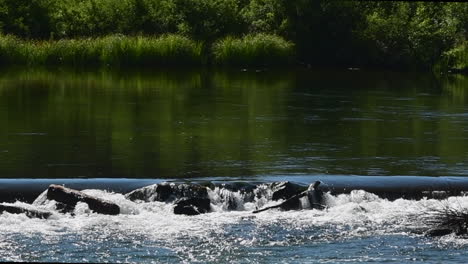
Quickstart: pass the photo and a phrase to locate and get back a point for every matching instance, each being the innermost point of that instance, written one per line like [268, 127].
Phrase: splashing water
[356, 227]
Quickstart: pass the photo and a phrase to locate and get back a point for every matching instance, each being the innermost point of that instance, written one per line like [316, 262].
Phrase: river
[237, 125]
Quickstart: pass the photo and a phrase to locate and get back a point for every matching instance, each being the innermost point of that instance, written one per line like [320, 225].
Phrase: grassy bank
[166, 50]
[127, 51]
[253, 50]
[380, 34]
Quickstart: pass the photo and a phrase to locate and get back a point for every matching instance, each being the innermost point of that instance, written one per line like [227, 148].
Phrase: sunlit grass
[136, 51]
[115, 50]
[14, 51]
[253, 50]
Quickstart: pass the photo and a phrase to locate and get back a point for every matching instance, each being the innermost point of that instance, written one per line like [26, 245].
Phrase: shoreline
[251, 53]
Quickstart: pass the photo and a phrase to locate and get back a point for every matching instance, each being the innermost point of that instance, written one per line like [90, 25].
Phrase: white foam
[355, 214]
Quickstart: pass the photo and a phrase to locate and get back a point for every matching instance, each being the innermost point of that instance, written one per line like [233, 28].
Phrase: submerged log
[68, 198]
[32, 213]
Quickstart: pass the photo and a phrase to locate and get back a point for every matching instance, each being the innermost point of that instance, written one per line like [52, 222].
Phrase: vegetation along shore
[398, 35]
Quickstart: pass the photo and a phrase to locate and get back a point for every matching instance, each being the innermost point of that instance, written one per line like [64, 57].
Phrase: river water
[180, 125]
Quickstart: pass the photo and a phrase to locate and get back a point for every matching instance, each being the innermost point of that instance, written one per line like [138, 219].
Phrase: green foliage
[149, 51]
[115, 51]
[26, 18]
[325, 32]
[13, 51]
[78, 18]
[410, 33]
[253, 50]
[80, 52]
[156, 16]
[265, 16]
[455, 59]
[338, 33]
[210, 19]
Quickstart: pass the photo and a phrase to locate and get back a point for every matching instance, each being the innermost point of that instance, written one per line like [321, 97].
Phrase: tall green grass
[141, 51]
[117, 50]
[253, 50]
[14, 51]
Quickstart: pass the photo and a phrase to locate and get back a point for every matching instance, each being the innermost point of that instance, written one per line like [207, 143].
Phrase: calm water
[209, 124]
[183, 124]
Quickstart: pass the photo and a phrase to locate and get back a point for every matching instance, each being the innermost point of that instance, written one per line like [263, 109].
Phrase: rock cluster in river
[187, 199]
[194, 199]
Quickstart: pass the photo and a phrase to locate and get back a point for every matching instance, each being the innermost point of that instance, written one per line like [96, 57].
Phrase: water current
[356, 227]
[177, 125]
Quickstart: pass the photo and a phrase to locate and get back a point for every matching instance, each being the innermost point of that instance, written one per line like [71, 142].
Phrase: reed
[253, 50]
[14, 51]
[112, 51]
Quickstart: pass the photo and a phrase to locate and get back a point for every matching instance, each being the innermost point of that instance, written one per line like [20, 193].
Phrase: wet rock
[436, 232]
[167, 192]
[192, 206]
[293, 203]
[67, 199]
[234, 195]
[290, 204]
[285, 190]
[32, 213]
[228, 198]
[316, 196]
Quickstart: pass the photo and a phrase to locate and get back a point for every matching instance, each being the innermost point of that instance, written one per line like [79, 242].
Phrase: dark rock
[186, 210]
[316, 196]
[192, 206]
[439, 232]
[235, 194]
[292, 203]
[68, 198]
[32, 213]
[285, 190]
[167, 192]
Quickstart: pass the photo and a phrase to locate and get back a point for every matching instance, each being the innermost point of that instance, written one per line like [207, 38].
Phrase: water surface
[183, 124]
[356, 228]
[274, 125]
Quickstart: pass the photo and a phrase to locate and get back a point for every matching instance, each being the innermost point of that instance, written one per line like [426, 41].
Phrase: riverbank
[260, 50]
[357, 34]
